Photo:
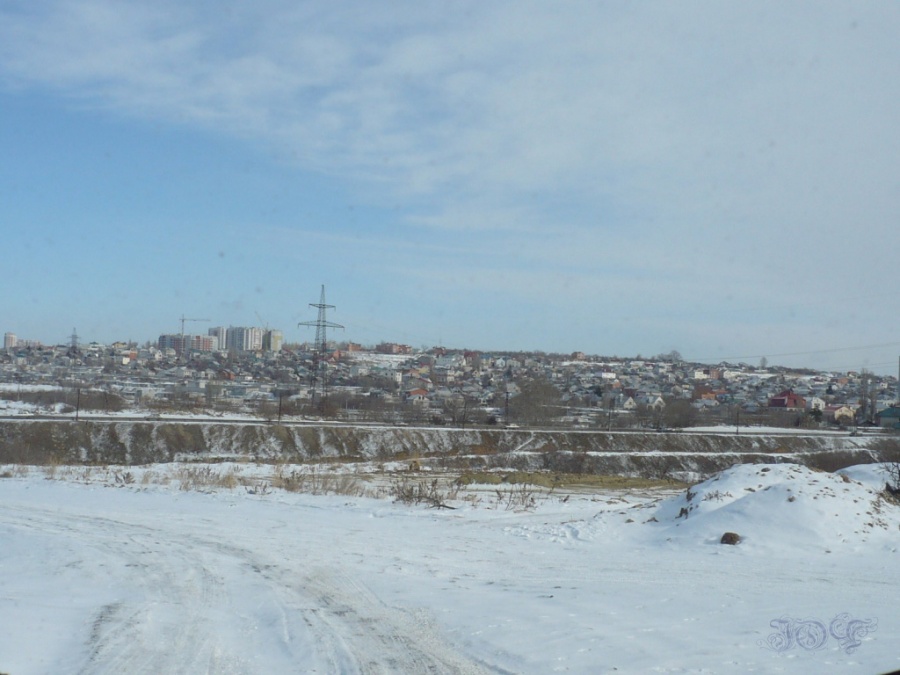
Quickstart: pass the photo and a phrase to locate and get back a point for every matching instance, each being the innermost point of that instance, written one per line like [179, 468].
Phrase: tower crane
[185, 319]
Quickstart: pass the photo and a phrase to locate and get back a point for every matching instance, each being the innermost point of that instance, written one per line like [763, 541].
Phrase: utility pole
[506, 414]
[319, 370]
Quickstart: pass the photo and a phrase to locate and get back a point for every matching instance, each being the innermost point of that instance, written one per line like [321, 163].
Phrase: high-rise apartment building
[244, 339]
[10, 341]
[221, 333]
[204, 343]
[196, 343]
[247, 339]
[170, 341]
[272, 340]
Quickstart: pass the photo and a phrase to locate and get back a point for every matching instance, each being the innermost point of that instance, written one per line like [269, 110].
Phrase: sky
[622, 179]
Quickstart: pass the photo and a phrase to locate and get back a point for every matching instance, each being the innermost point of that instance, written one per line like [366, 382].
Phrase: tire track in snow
[381, 640]
[196, 604]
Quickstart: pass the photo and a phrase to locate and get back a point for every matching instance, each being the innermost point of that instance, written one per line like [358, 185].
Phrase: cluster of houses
[439, 378]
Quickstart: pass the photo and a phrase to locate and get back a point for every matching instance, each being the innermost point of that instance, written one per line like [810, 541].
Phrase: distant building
[173, 342]
[204, 343]
[10, 341]
[788, 399]
[840, 414]
[393, 348]
[889, 418]
[195, 343]
[272, 340]
[244, 339]
[219, 332]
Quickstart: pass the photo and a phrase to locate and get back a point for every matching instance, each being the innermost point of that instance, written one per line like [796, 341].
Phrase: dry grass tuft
[317, 483]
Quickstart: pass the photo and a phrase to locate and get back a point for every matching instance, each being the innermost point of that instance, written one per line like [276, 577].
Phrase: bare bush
[887, 450]
[316, 483]
[126, 478]
[408, 491]
[194, 478]
[522, 496]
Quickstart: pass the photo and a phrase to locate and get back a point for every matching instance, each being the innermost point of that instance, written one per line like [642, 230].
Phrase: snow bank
[785, 505]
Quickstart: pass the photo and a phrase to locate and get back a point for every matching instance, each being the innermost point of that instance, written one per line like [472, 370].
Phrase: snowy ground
[124, 572]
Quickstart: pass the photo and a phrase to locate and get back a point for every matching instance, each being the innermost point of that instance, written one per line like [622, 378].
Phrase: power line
[805, 353]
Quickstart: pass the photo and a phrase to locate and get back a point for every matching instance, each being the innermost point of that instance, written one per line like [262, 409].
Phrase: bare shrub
[229, 481]
[521, 496]
[316, 483]
[346, 484]
[126, 478]
[14, 471]
[51, 468]
[262, 489]
[295, 481]
[151, 477]
[408, 491]
[887, 450]
[194, 478]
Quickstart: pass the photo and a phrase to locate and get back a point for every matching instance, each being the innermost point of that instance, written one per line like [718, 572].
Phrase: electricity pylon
[318, 376]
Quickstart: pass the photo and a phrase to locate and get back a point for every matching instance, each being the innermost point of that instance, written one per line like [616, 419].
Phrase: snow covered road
[133, 579]
[178, 596]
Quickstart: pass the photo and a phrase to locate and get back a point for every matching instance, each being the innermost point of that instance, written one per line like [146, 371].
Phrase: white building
[244, 339]
[219, 332]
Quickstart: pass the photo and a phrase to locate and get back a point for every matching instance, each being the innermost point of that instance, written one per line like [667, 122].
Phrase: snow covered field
[127, 575]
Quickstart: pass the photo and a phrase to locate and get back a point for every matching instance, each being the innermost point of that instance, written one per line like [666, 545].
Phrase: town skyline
[792, 361]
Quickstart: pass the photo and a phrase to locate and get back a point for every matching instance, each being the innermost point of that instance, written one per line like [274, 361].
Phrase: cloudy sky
[617, 178]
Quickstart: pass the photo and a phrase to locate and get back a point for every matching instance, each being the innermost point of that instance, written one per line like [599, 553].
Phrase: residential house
[815, 403]
[889, 418]
[840, 413]
[788, 399]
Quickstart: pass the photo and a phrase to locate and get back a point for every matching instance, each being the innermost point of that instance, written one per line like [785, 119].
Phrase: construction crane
[185, 319]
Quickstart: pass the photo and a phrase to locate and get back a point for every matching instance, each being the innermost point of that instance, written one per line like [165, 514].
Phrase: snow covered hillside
[136, 575]
[137, 442]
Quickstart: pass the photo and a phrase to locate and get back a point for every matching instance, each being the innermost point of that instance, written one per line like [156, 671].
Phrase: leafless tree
[537, 403]
[679, 413]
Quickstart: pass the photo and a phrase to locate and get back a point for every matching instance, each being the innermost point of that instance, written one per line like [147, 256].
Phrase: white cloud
[727, 149]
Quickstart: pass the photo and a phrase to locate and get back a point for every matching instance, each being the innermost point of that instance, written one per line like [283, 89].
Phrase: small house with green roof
[889, 418]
